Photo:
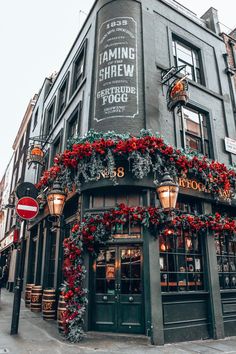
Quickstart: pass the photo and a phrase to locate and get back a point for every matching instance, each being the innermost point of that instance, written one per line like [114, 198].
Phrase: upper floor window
[56, 147]
[49, 118]
[195, 133]
[73, 124]
[62, 98]
[35, 119]
[78, 70]
[186, 55]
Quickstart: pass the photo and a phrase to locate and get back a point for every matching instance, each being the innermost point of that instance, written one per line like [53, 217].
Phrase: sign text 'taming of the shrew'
[117, 69]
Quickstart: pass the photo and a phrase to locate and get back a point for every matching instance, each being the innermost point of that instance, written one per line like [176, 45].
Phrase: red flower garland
[212, 173]
[95, 230]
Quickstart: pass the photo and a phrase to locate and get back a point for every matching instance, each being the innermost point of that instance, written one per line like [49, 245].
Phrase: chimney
[212, 20]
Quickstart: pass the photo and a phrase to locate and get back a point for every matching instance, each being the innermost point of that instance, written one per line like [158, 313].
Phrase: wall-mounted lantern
[56, 199]
[167, 192]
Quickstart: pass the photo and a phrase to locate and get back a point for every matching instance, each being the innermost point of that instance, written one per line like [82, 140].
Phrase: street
[38, 336]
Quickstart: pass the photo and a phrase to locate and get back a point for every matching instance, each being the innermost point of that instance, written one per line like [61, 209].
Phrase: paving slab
[37, 336]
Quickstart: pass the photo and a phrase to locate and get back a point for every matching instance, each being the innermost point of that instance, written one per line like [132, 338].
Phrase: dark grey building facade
[112, 80]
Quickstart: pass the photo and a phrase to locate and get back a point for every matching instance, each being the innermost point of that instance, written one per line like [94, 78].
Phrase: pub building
[119, 76]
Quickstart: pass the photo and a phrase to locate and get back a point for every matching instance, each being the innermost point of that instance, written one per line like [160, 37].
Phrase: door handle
[117, 286]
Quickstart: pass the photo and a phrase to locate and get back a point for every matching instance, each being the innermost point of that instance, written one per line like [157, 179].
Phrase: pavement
[38, 336]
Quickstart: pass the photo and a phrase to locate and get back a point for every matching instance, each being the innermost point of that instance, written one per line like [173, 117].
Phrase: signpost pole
[18, 284]
[27, 208]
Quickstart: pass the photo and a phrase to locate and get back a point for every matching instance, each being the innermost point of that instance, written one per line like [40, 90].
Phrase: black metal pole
[18, 285]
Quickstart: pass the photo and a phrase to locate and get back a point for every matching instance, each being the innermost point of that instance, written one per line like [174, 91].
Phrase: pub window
[52, 259]
[32, 255]
[181, 262]
[62, 98]
[49, 118]
[226, 260]
[111, 200]
[78, 70]
[185, 54]
[189, 205]
[194, 128]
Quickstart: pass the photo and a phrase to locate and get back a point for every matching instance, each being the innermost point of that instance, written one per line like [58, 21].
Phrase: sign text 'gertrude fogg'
[200, 187]
[117, 69]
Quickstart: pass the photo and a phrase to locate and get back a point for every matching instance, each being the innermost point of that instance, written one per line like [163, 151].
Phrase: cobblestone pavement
[38, 336]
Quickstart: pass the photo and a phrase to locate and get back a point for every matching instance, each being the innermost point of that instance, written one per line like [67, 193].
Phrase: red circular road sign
[27, 208]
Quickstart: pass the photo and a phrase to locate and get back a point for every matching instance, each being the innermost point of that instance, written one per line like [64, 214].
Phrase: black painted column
[157, 329]
[214, 285]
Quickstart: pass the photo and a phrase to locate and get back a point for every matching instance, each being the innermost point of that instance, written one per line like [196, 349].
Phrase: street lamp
[167, 191]
[56, 199]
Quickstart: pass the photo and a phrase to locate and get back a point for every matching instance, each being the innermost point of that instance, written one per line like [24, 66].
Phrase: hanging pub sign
[36, 154]
[177, 94]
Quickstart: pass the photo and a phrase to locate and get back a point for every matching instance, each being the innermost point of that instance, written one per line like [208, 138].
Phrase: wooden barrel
[49, 304]
[36, 298]
[61, 309]
[28, 294]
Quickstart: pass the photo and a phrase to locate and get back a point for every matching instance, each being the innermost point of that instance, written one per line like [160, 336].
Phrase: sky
[35, 37]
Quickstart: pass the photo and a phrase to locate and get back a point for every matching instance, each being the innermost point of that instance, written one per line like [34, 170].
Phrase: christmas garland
[87, 158]
[96, 230]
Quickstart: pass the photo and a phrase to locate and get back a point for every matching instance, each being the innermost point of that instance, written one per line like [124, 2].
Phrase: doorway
[118, 290]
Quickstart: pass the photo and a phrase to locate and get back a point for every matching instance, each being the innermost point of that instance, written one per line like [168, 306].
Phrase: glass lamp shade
[167, 192]
[56, 199]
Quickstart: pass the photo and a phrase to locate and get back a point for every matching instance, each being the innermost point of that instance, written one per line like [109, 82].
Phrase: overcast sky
[35, 38]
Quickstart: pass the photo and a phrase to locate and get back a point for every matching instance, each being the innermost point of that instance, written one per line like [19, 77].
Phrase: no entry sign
[27, 208]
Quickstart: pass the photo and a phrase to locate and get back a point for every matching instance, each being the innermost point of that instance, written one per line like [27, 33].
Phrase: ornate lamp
[167, 192]
[56, 198]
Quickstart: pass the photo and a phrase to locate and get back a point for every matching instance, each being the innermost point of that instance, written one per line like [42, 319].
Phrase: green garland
[89, 157]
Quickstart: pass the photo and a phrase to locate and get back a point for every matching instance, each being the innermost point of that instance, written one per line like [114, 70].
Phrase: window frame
[48, 127]
[226, 261]
[61, 108]
[195, 51]
[81, 52]
[203, 140]
[181, 278]
[75, 116]
[35, 122]
[56, 142]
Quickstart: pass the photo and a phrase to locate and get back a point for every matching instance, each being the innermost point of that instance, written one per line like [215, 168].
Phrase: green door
[118, 299]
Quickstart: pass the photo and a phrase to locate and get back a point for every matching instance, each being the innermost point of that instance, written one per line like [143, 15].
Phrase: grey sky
[35, 38]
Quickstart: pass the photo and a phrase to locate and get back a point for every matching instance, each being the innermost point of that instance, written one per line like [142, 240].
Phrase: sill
[189, 292]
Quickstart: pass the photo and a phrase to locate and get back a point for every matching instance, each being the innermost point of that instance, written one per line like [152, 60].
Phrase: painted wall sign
[230, 145]
[117, 74]
[200, 187]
